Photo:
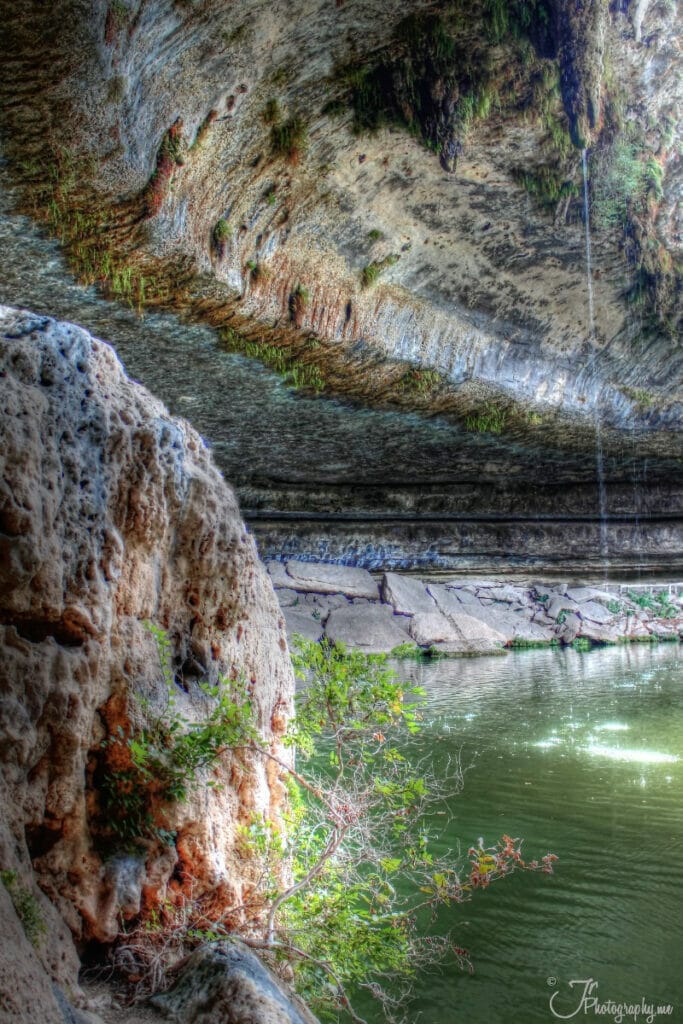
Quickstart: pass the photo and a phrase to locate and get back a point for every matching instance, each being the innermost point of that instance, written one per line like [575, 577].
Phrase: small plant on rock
[490, 419]
[362, 854]
[289, 139]
[220, 235]
[159, 763]
[298, 304]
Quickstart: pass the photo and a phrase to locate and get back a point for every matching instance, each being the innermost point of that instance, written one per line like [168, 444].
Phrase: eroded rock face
[232, 136]
[112, 513]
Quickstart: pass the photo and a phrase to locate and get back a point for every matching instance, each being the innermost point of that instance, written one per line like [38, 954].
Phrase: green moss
[519, 644]
[118, 13]
[258, 271]
[305, 376]
[410, 650]
[271, 112]
[642, 398]
[547, 184]
[620, 181]
[490, 419]
[26, 906]
[371, 272]
[420, 382]
[334, 108]
[221, 231]
[203, 131]
[289, 139]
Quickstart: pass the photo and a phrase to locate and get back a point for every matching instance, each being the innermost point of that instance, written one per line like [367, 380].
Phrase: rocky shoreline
[411, 614]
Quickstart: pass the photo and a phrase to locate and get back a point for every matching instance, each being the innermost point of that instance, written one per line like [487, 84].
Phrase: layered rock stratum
[391, 196]
[387, 203]
[113, 513]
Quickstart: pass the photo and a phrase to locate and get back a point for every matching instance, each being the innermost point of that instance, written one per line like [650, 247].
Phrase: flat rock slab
[533, 632]
[590, 594]
[455, 634]
[278, 574]
[480, 638]
[371, 628]
[406, 595]
[324, 578]
[449, 600]
[569, 629]
[595, 612]
[430, 628]
[598, 633]
[558, 604]
[464, 596]
[507, 594]
[497, 618]
[301, 620]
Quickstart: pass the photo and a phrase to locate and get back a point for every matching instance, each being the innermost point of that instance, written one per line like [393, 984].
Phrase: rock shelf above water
[467, 616]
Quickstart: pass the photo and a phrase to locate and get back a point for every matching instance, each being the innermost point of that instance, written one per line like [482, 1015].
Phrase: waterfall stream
[599, 457]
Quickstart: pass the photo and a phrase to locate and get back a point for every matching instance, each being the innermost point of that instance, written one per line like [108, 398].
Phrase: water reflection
[580, 754]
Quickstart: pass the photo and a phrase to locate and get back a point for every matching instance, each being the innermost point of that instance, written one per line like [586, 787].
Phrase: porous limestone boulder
[112, 513]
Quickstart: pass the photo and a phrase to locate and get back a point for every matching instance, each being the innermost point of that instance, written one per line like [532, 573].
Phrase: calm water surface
[582, 755]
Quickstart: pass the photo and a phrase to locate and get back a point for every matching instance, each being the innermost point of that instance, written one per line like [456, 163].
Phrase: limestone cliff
[112, 513]
[391, 196]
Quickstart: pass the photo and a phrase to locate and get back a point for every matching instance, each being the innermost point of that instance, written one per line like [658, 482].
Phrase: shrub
[360, 862]
[364, 866]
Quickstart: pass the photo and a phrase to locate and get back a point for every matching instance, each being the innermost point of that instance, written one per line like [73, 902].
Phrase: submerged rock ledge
[407, 614]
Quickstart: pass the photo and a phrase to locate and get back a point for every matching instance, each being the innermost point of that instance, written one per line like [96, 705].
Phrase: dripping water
[599, 457]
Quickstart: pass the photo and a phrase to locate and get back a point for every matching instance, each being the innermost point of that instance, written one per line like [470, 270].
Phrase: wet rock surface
[481, 616]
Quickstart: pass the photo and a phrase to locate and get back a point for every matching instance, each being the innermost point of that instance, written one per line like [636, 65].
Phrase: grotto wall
[372, 189]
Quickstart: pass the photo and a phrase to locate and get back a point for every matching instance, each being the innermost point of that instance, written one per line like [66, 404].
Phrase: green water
[582, 755]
